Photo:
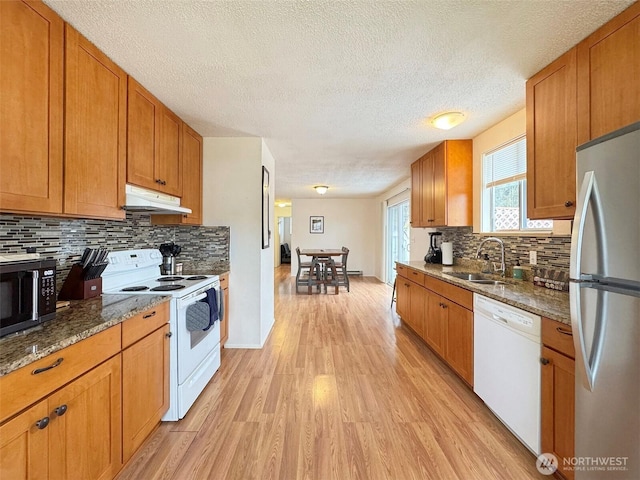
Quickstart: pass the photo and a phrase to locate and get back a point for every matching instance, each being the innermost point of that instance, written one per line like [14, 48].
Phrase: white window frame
[486, 197]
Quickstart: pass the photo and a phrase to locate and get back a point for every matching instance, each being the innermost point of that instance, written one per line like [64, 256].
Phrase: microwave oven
[27, 294]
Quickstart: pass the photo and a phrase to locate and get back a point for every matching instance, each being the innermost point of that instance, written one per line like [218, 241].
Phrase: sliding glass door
[397, 237]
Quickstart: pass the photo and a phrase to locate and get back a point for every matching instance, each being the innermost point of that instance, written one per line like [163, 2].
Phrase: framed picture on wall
[266, 232]
[316, 224]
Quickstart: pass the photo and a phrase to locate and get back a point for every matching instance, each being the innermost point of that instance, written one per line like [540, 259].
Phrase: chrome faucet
[501, 243]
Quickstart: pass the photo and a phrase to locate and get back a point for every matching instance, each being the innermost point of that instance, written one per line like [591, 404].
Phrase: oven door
[18, 300]
[194, 345]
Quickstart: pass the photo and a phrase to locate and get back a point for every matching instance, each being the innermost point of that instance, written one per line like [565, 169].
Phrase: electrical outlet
[533, 257]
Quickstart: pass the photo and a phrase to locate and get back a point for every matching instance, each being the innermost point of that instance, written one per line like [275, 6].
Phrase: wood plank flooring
[339, 391]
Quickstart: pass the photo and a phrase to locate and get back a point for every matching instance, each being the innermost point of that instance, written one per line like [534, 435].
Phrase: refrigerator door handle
[589, 196]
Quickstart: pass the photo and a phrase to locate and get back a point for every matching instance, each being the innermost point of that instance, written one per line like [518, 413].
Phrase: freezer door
[608, 416]
[606, 234]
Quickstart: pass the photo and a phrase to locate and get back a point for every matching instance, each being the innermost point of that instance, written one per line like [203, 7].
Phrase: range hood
[141, 200]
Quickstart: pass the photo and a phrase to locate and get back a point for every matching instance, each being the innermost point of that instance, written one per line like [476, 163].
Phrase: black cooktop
[167, 288]
[136, 288]
[197, 277]
[169, 279]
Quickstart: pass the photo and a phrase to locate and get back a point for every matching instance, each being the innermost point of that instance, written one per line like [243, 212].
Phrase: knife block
[75, 287]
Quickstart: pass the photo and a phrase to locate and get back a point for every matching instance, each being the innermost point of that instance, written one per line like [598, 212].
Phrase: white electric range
[194, 354]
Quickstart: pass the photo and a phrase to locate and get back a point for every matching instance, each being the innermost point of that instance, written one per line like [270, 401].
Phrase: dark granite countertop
[80, 320]
[518, 293]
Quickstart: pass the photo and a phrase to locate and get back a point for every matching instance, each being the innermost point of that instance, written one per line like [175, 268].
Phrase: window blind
[506, 164]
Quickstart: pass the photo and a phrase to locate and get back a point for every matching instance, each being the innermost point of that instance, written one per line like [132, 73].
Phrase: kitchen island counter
[518, 293]
[82, 319]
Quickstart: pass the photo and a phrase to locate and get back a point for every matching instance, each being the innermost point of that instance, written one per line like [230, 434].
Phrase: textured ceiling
[340, 91]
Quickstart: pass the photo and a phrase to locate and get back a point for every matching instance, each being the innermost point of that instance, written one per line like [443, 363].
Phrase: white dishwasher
[506, 375]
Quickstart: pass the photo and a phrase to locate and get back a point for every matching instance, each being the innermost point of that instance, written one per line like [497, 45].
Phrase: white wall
[403, 189]
[353, 223]
[232, 195]
[267, 310]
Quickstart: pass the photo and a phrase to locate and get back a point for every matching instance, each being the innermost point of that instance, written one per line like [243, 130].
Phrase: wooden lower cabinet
[402, 297]
[74, 433]
[558, 393]
[436, 324]
[224, 325]
[459, 340]
[145, 388]
[24, 448]
[417, 302]
[85, 430]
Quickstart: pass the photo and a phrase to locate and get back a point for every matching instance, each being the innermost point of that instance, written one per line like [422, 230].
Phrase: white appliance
[605, 306]
[506, 366]
[194, 355]
[138, 199]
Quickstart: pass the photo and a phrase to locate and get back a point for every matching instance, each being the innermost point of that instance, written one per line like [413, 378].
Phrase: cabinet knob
[169, 335]
[61, 410]
[158, 181]
[42, 423]
[544, 361]
[568, 203]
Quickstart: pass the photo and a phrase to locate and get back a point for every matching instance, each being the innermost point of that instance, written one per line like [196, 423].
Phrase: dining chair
[341, 266]
[308, 274]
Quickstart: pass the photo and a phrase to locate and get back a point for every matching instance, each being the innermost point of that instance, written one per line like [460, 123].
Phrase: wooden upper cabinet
[416, 194]
[95, 131]
[31, 107]
[154, 142]
[191, 181]
[608, 76]
[551, 140]
[445, 186]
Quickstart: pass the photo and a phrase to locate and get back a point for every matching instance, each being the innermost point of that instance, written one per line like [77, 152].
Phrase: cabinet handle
[564, 332]
[158, 181]
[164, 182]
[149, 315]
[544, 361]
[169, 335]
[61, 410]
[42, 423]
[568, 203]
[44, 369]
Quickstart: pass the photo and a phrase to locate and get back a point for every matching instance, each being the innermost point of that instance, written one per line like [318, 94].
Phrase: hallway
[339, 391]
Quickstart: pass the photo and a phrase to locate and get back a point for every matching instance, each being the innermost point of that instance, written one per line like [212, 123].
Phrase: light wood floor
[340, 391]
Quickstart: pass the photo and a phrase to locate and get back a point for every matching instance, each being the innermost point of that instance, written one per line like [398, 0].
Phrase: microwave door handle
[34, 294]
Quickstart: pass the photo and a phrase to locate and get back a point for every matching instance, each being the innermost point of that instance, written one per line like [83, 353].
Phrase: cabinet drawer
[402, 270]
[135, 328]
[415, 276]
[224, 281]
[452, 292]
[558, 336]
[29, 384]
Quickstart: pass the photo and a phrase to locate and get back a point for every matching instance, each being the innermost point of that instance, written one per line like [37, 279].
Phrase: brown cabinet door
[142, 111]
[85, 440]
[417, 297]
[436, 324]
[192, 174]
[439, 187]
[402, 297]
[459, 351]
[416, 194]
[95, 131]
[427, 189]
[558, 406]
[145, 388]
[24, 448]
[31, 107]
[168, 166]
[551, 140]
[608, 76]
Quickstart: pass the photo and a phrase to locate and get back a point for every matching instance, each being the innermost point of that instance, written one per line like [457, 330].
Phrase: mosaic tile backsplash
[65, 239]
[553, 252]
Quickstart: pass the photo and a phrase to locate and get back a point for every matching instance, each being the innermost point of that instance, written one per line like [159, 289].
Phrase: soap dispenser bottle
[486, 264]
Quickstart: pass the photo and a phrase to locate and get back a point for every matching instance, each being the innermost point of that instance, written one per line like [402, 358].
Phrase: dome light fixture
[321, 189]
[447, 120]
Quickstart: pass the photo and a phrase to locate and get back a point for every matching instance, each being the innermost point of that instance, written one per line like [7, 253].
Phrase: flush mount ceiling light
[447, 120]
[321, 189]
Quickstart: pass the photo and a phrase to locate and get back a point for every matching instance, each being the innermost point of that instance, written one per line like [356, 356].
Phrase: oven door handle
[197, 298]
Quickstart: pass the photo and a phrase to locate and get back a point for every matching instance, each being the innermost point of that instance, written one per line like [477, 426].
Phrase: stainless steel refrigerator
[605, 307]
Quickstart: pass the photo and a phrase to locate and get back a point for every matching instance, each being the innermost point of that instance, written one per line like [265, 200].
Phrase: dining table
[322, 254]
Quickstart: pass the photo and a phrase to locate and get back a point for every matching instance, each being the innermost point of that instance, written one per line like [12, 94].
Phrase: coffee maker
[434, 255]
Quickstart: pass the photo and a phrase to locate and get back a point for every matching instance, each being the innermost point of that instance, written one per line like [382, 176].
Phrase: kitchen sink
[475, 278]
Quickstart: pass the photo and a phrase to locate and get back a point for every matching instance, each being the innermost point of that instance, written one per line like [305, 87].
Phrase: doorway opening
[398, 234]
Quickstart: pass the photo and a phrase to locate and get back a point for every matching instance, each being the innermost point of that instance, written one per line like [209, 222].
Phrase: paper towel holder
[447, 253]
